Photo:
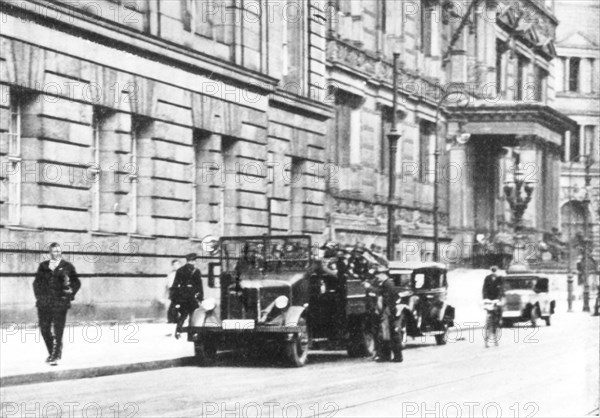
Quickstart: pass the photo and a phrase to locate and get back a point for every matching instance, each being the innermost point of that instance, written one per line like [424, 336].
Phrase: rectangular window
[14, 158]
[575, 151]
[500, 51]
[522, 63]
[200, 138]
[541, 78]
[139, 126]
[294, 47]
[426, 27]
[426, 149]
[386, 126]
[97, 122]
[574, 74]
[589, 134]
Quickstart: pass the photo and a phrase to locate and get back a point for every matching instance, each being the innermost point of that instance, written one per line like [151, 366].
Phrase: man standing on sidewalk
[187, 290]
[55, 285]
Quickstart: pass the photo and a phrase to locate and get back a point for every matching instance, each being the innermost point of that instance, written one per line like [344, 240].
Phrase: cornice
[142, 44]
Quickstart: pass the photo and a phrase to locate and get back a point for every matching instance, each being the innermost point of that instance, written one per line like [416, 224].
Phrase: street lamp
[393, 137]
[586, 250]
[518, 194]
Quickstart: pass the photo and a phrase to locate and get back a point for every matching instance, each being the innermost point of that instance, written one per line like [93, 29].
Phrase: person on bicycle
[493, 290]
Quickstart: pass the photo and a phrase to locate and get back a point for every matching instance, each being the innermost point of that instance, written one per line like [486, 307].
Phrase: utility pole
[393, 137]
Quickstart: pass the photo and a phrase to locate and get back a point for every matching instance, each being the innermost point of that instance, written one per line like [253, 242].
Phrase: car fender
[201, 318]
[447, 314]
[292, 315]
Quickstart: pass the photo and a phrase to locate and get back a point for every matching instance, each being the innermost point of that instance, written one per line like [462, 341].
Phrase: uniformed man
[55, 286]
[389, 339]
[187, 290]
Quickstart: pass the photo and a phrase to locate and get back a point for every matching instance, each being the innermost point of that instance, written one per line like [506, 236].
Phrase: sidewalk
[90, 350]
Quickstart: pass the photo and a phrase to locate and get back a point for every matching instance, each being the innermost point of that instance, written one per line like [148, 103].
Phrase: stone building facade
[577, 95]
[131, 130]
[500, 55]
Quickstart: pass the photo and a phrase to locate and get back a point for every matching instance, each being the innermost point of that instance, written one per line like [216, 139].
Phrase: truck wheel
[205, 351]
[362, 339]
[440, 339]
[296, 350]
[548, 320]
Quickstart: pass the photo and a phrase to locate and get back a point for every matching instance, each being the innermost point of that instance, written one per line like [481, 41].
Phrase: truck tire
[296, 350]
[205, 352]
[548, 320]
[440, 339]
[361, 341]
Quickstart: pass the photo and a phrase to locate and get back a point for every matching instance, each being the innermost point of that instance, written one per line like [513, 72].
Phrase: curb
[88, 372]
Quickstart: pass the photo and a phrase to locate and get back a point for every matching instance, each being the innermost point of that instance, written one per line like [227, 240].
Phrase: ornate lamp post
[518, 194]
[393, 137]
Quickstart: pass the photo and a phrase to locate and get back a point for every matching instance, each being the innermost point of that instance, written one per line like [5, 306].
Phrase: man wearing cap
[187, 290]
[389, 340]
[492, 285]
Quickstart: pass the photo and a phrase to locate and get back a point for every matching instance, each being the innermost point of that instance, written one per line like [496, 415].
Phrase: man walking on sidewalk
[187, 290]
[55, 285]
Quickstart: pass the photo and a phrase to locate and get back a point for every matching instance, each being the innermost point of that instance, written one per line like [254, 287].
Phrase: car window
[419, 280]
[401, 279]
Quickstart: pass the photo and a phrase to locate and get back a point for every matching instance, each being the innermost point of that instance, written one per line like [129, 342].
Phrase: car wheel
[402, 329]
[205, 351]
[440, 339]
[548, 320]
[507, 323]
[362, 338]
[296, 350]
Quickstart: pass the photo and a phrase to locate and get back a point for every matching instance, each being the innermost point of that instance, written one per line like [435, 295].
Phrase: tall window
[426, 24]
[575, 151]
[200, 138]
[589, 132]
[294, 59]
[14, 158]
[500, 50]
[574, 74]
[426, 148]
[139, 125]
[522, 63]
[541, 77]
[97, 121]
[386, 126]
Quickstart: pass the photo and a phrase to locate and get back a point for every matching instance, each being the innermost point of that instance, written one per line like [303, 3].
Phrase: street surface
[548, 371]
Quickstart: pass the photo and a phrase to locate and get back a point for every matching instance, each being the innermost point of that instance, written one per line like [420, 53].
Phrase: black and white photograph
[299, 208]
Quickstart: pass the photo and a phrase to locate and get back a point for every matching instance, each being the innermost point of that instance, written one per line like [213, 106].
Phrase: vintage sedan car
[422, 290]
[526, 298]
[273, 294]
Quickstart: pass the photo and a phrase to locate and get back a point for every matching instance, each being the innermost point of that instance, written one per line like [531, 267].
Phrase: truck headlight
[209, 304]
[281, 302]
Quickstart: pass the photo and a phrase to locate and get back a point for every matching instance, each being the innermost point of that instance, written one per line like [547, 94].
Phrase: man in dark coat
[55, 285]
[187, 290]
[389, 338]
[492, 285]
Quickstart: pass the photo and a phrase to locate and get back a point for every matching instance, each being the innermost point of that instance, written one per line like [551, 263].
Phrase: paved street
[550, 371]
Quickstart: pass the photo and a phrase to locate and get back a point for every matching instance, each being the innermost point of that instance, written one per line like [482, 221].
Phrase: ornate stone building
[131, 130]
[500, 55]
[577, 93]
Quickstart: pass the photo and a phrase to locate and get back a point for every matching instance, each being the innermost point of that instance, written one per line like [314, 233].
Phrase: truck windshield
[266, 253]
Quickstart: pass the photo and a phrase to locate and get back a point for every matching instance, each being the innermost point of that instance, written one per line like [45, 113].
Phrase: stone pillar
[458, 187]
